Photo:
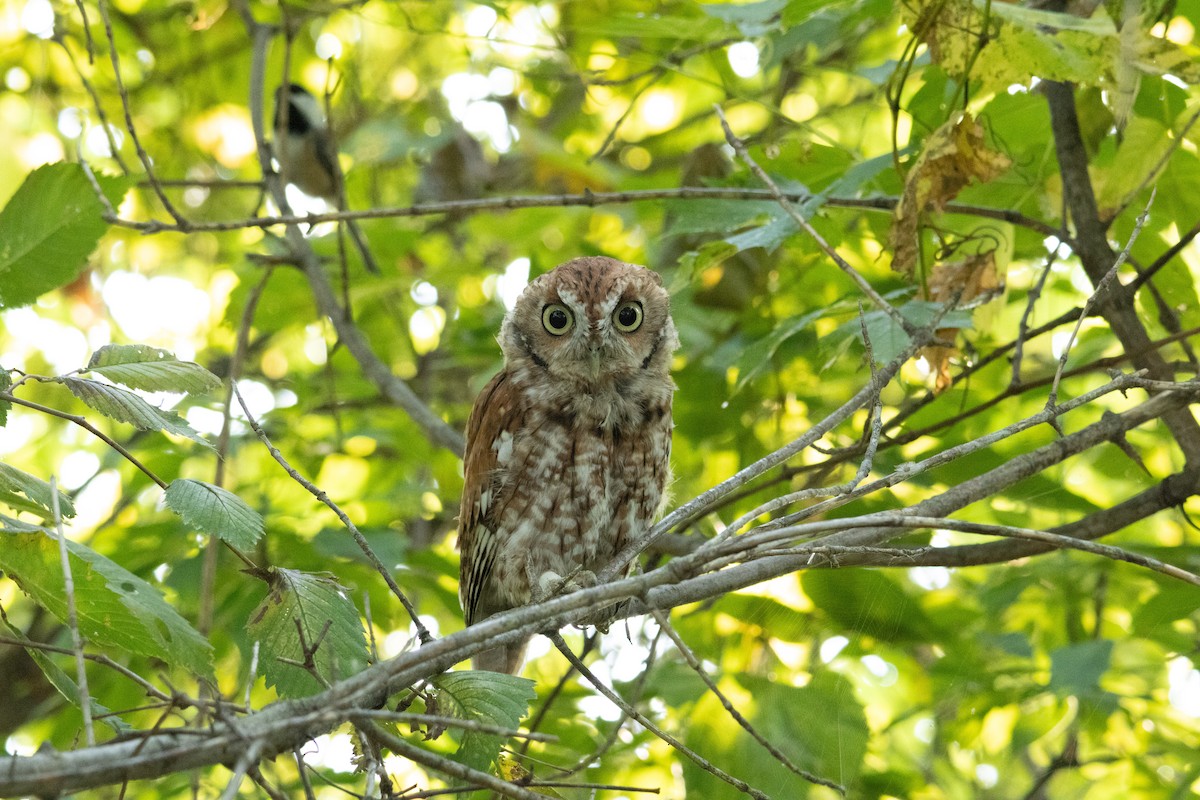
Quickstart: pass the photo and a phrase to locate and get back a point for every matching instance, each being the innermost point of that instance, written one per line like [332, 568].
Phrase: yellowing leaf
[954, 155]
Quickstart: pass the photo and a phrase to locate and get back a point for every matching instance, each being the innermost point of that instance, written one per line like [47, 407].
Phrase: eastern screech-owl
[568, 448]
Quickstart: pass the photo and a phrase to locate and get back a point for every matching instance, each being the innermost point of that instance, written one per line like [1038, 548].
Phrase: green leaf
[869, 602]
[783, 621]
[757, 356]
[5, 385]
[116, 609]
[1143, 146]
[329, 621]
[12, 525]
[48, 229]
[215, 511]
[752, 19]
[641, 25]
[820, 727]
[125, 406]
[489, 697]
[36, 493]
[769, 236]
[64, 683]
[151, 369]
[716, 216]
[888, 339]
[1076, 669]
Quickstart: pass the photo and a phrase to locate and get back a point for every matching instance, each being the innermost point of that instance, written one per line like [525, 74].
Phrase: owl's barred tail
[505, 658]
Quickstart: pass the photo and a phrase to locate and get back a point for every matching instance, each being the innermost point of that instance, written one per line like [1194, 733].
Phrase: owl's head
[592, 323]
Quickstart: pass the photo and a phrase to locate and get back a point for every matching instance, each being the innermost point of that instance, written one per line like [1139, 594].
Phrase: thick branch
[1097, 256]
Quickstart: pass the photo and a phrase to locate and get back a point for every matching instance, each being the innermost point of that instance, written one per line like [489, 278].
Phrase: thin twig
[702, 503]
[445, 766]
[692, 661]
[260, 780]
[106, 126]
[1101, 288]
[85, 699]
[844, 265]
[908, 470]
[98, 658]
[1023, 326]
[649, 725]
[302, 768]
[123, 92]
[635, 696]
[359, 539]
[587, 199]
[449, 722]
[90, 428]
[743, 545]
[239, 772]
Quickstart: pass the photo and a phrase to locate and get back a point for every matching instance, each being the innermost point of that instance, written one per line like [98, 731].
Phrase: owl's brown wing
[495, 413]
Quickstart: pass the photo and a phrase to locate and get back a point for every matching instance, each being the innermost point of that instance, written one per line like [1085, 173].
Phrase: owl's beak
[594, 361]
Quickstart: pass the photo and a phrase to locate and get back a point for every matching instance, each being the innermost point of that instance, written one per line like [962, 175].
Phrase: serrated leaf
[125, 406]
[151, 369]
[28, 493]
[48, 229]
[490, 697]
[12, 525]
[115, 608]
[63, 682]
[215, 511]
[321, 606]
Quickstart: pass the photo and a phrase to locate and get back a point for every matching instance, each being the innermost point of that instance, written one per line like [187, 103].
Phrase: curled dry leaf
[954, 155]
[963, 284]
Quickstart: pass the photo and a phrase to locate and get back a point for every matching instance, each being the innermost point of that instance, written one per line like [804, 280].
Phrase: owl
[568, 447]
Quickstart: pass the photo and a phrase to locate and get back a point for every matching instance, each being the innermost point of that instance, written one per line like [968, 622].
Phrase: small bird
[569, 446]
[307, 155]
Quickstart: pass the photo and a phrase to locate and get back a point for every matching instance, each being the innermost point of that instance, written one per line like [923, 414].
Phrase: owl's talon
[547, 585]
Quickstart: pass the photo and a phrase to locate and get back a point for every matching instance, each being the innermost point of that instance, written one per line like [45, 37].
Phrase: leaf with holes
[215, 511]
[116, 609]
[151, 369]
[125, 406]
[317, 608]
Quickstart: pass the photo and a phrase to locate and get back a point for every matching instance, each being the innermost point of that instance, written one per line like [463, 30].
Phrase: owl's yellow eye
[557, 319]
[628, 316]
